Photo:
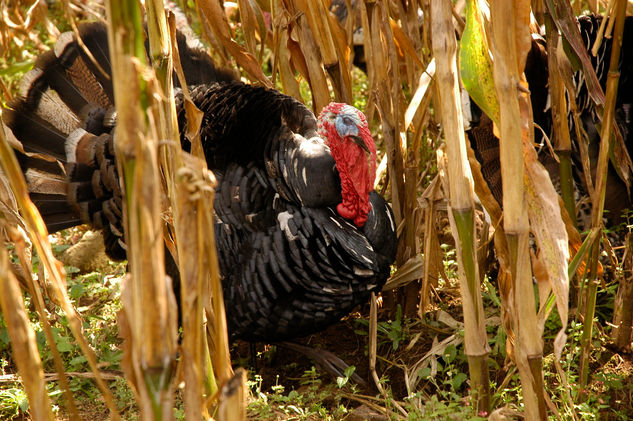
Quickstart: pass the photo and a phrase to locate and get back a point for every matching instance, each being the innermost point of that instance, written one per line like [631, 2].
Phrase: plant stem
[608, 119]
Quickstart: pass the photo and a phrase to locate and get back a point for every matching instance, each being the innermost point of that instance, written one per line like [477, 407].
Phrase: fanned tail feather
[64, 121]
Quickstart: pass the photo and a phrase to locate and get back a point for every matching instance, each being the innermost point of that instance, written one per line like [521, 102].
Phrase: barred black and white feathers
[589, 26]
[290, 264]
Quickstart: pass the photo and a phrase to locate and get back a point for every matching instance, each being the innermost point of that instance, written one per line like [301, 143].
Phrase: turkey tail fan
[485, 145]
[82, 187]
[47, 186]
[64, 121]
[66, 104]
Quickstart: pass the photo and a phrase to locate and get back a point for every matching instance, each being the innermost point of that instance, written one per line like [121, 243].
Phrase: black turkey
[486, 146]
[302, 237]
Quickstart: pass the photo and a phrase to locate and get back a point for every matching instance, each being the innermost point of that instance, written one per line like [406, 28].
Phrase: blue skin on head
[347, 122]
[345, 126]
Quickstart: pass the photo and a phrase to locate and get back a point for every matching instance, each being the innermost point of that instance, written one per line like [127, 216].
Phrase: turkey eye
[346, 125]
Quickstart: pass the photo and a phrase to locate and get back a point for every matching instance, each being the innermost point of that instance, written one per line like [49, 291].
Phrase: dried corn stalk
[461, 209]
[151, 337]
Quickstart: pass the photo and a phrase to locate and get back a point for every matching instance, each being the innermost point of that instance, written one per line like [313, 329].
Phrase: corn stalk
[461, 209]
[623, 305]
[601, 183]
[34, 226]
[163, 50]
[12, 226]
[23, 342]
[562, 140]
[510, 42]
[151, 336]
[213, 13]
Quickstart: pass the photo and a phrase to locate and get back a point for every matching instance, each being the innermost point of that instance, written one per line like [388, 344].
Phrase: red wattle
[360, 220]
[356, 168]
[346, 212]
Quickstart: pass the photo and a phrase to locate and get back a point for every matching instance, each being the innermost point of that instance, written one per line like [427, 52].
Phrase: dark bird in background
[340, 10]
[486, 145]
[302, 237]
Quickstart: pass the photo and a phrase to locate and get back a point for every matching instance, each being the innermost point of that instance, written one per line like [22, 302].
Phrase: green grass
[442, 392]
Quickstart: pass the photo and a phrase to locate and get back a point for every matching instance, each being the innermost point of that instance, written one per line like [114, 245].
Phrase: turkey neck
[357, 169]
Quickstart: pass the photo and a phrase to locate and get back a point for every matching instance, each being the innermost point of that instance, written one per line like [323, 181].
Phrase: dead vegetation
[411, 86]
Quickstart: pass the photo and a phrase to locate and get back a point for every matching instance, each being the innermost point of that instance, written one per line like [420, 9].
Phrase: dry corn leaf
[8, 204]
[23, 343]
[550, 235]
[565, 20]
[343, 52]
[283, 58]
[403, 43]
[312, 54]
[253, 25]
[298, 60]
[318, 20]
[214, 13]
[411, 270]
[422, 96]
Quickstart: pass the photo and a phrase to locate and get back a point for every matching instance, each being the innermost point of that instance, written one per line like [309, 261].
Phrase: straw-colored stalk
[233, 398]
[333, 61]
[608, 119]
[12, 227]
[220, 346]
[253, 25]
[213, 13]
[201, 284]
[23, 342]
[384, 39]
[562, 140]
[623, 305]
[163, 49]
[151, 336]
[283, 64]
[36, 229]
[415, 117]
[382, 74]
[310, 53]
[461, 209]
[385, 92]
[201, 287]
[510, 43]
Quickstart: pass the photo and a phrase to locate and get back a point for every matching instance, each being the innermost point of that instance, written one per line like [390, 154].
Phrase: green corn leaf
[475, 64]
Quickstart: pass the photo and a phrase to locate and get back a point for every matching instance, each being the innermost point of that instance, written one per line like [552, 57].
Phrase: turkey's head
[347, 134]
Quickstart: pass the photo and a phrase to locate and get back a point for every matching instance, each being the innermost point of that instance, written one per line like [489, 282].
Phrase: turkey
[486, 146]
[302, 238]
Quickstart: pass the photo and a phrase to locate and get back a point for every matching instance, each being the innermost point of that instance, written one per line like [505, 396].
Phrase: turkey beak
[360, 142]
